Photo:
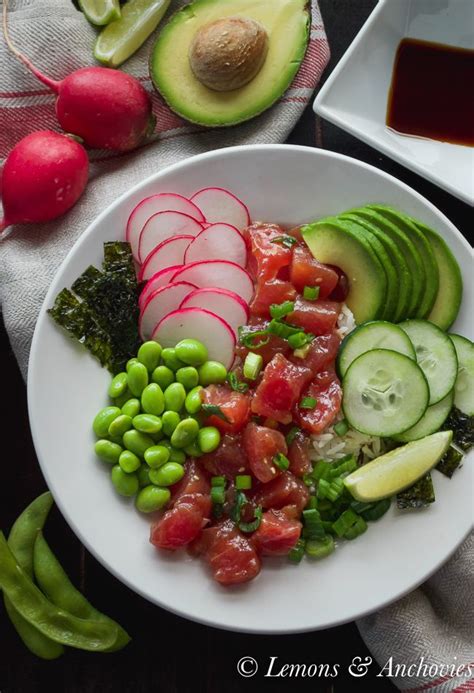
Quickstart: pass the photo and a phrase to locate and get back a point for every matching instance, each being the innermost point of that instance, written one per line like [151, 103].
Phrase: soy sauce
[432, 92]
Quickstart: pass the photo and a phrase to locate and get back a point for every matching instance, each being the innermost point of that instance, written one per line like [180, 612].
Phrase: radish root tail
[51, 83]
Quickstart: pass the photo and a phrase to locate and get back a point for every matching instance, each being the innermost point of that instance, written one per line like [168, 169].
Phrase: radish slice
[152, 205]
[219, 205]
[199, 324]
[217, 273]
[161, 278]
[170, 252]
[159, 304]
[217, 242]
[162, 226]
[223, 303]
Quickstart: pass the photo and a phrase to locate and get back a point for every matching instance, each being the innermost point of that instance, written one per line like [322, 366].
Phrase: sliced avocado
[448, 301]
[342, 246]
[287, 24]
[405, 223]
[404, 283]
[391, 298]
[406, 247]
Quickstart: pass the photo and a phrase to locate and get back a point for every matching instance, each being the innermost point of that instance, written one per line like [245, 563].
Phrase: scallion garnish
[253, 339]
[236, 384]
[243, 482]
[287, 241]
[214, 410]
[218, 495]
[240, 501]
[291, 435]
[330, 490]
[308, 403]
[313, 527]
[341, 428]
[282, 329]
[320, 548]
[311, 293]
[217, 481]
[255, 524]
[344, 522]
[252, 366]
[297, 552]
[281, 461]
[299, 340]
[279, 310]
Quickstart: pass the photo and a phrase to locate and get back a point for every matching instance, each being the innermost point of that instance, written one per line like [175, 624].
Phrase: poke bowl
[274, 259]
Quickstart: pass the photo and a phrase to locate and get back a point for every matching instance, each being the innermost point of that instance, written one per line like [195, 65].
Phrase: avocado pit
[228, 53]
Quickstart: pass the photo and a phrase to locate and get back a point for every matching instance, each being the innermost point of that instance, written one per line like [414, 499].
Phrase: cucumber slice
[436, 356]
[373, 335]
[100, 12]
[384, 393]
[464, 386]
[398, 469]
[431, 421]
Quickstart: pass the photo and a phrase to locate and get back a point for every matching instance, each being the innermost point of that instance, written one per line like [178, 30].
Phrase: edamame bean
[163, 376]
[191, 351]
[137, 442]
[170, 359]
[156, 456]
[129, 462]
[170, 419]
[212, 372]
[149, 354]
[153, 401]
[209, 438]
[118, 385]
[188, 377]
[125, 484]
[184, 433]
[175, 396]
[108, 451]
[152, 498]
[119, 425]
[103, 420]
[193, 402]
[175, 454]
[193, 450]
[131, 407]
[130, 363]
[120, 401]
[137, 376]
[143, 475]
[147, 423]
[167, 475]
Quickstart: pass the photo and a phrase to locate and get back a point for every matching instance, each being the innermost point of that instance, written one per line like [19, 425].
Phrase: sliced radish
[170, 252]
[152, 205]
[217, 273]
[161, 302]
[199, 324]
[161, 278]
[217, 242]
[219, 205]
[223, 303]
[162, 226]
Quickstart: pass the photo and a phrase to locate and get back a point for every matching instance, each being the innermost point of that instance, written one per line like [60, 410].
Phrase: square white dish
[355, 95]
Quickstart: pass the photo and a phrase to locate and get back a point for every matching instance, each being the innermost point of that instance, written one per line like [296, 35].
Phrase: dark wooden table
[169, 654]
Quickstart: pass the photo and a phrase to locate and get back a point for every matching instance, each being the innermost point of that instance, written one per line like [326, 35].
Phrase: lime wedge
[398, 469]
[100, 12]
[121, 38]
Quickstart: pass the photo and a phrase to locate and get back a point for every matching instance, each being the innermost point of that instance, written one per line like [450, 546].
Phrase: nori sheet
[451, 460]
[420, 495]
[462, 427]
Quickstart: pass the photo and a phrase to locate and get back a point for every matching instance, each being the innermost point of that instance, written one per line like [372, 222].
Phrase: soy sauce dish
[266, 361]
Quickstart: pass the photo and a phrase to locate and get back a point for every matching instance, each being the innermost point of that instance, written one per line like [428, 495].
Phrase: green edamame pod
[137, 442]
[130, 363]
[108, 451]
[193, 402]
[120, 425]
[152, 498]
[193, 450]
[175, 396]
[129, 462]
[125, 484]
[57, 587]
[21, 543]
[191, 351]
[103, 420]
[209, 439]
[131, 407]
[137, 376]
[170, 359]
[163, 376]
[188, 377]
[184, 433]
[170, 419]
[55, 623]
[167, 475]
[149, 354]
[153, 401]
[147, 423]
[118, 386]
[156, 456]
[212, 372]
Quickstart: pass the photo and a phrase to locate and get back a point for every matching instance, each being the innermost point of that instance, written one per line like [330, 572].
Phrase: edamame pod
[163, 376]
[137, 442]
[103, 420]
[170, 419]
[171, 360]
[193, 402]
[131, 407]
[137, 376]
[152, 498]
[118, 385]
[149, 354]
[209, 439]
[125, 484]
[108, 451]
[57, 587]
[188, 377]
[212, 372]
[167, 475]
[120, 425]
[129, 462]
[184, 433]
[191, 351]
[156, 456]
[175, 396]
[147, 423]
[153, 401]
[53, 622]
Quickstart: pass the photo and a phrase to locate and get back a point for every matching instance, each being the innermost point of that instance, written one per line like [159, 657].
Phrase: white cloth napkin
[435, 621]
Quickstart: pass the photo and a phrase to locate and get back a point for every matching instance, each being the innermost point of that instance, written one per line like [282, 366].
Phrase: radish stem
[51, 83]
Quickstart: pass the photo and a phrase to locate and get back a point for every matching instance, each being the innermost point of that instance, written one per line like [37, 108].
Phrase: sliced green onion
[376, 511]
[287, 241]
[358, 528]
[320, 548]
[313, 526]
[281, 461]
[312, 503]
[252, 365]
[345, 466]
[330, 490]
[308, 403]
[321, 470]
[360, 507]
[240, 501]
[344, 522]
[253, 339]
[218, 495]
[255, 524]
[299, 340]
[214, 410]
[297, 552]
[311, 293]
[217, 481]
[236, 384]
[243, 482]
[341, 428]
[282, 329]
[291, 435]
[279, 310]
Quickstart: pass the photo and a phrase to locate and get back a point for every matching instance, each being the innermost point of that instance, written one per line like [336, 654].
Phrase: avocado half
[287, 23]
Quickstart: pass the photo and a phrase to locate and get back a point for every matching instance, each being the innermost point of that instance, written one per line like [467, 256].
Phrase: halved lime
[397, 470]
[100, 12]
[121, 38]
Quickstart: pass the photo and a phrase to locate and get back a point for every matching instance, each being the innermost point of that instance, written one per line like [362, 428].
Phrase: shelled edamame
[153, 421]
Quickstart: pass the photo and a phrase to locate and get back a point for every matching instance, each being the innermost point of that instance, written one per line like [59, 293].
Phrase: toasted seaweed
[451, 460]
[462, 427]
[419, 495]
[85, 282]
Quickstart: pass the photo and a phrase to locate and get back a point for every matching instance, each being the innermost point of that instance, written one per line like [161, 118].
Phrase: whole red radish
[43, 176]
[107, 108]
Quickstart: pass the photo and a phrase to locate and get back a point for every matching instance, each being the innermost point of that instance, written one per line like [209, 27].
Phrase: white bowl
[66, 387]
[355, 95]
